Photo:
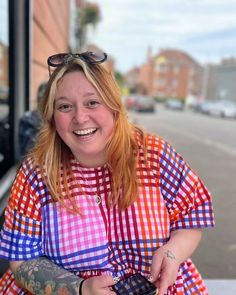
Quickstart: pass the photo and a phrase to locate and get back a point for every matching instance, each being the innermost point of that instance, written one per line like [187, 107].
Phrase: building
[170, 73]
[219, 80]
[132, 77]
[50, 35]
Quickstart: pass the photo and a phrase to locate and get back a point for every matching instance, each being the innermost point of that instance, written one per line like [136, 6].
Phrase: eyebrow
[61, 98]
[90, 94]
[87, 94]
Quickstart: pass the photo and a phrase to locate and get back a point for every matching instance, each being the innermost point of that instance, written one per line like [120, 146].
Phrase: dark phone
[134, 285]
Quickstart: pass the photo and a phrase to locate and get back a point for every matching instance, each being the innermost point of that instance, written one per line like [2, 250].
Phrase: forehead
[75, 85]
[74, 81]
[72, 77]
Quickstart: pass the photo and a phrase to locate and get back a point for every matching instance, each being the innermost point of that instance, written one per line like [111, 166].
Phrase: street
[208, 144]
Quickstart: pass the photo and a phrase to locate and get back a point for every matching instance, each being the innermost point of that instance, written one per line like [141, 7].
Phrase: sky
[205, 29]
[3, 21]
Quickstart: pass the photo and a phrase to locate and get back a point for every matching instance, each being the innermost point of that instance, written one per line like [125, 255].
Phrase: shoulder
[29, 169]
[155, 145]
[161, 155]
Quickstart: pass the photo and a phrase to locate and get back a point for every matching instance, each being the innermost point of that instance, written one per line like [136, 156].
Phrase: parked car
[223, 108]
[130, 102]
[174, 104]
[144, 104]
[203, 106]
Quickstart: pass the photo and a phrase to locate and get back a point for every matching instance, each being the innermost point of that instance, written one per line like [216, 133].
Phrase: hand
[99, 285]
[164, 269]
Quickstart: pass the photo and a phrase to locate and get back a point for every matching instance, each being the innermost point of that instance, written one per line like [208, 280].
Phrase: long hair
[53, 156]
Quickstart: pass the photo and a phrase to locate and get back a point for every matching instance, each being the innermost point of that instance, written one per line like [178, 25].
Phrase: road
[209, 145]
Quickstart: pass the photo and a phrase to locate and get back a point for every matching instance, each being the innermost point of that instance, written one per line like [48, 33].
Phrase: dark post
[19, 69]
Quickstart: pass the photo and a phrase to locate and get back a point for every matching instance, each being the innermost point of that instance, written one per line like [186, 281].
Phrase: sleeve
[188, 201]
[21, 233]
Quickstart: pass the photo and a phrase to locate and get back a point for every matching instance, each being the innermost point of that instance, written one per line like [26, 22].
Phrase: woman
[98, 200]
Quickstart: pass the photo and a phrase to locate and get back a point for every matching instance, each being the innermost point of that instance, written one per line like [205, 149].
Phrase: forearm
[182, 243]
[42, 276]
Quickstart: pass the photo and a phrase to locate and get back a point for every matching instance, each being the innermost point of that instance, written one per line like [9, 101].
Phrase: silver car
[223, 108]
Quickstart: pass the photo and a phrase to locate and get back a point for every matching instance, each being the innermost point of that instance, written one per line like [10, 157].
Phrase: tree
[88, 15]
[119, 78]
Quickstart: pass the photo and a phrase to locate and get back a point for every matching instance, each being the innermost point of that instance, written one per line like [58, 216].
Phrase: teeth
[85, 131]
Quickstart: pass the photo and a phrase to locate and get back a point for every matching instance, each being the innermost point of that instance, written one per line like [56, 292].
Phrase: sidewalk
[221, 287]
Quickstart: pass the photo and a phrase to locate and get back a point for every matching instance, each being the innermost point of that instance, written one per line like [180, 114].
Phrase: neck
[91, 163]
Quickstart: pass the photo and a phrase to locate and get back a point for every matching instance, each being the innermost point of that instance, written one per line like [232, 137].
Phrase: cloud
[129, 27]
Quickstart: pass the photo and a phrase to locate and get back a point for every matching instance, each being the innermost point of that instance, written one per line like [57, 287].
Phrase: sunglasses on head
[89, 57]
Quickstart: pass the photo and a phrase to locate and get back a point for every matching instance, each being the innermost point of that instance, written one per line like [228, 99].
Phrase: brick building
[50, 35]
[170, 73]
[49, 28]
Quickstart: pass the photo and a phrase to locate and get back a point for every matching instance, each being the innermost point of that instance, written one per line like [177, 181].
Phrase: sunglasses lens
[57, 59]
[94, 57]
[89, 57]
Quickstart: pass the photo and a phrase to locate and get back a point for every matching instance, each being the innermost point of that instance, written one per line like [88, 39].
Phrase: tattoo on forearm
[42, 277]
[170, 255]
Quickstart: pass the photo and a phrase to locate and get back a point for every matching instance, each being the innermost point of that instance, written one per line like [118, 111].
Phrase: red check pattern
[104, 240]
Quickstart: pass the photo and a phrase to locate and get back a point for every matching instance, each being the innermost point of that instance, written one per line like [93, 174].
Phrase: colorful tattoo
[43, 277]
[170, 255]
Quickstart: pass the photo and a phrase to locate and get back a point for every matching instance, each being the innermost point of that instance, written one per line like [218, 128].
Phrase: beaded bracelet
[80, 287]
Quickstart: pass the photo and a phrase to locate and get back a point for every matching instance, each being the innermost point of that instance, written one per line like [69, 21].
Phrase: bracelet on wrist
[80, 287]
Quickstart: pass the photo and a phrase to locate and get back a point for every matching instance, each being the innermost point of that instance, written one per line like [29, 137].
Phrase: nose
[80, 115]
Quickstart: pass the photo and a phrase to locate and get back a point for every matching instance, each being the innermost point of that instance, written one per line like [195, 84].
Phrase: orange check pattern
[103, 240]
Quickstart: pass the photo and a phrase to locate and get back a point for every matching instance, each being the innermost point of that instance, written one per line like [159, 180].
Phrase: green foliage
[90, 14]
[119, 78]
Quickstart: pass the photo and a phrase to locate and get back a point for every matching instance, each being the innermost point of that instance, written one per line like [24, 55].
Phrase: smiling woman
[98, 200]
[82, 120]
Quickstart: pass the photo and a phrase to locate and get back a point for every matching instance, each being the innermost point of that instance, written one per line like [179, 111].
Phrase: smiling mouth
[85, 132]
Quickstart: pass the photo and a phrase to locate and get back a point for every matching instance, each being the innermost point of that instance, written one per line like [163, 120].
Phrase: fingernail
[150, 278]
[156, 292]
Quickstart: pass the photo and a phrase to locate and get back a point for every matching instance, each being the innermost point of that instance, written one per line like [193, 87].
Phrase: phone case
[134, 285]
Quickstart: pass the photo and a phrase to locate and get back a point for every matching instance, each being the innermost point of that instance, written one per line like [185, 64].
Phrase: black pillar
[19, 67]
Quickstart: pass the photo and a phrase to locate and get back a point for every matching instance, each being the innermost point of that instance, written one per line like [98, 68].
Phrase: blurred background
[175, 62]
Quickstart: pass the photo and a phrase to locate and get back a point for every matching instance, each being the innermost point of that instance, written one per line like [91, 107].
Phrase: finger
[162, 284]
[155, 268]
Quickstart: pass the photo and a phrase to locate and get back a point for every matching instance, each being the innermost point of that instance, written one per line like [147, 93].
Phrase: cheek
[110, 123]
[61, 121]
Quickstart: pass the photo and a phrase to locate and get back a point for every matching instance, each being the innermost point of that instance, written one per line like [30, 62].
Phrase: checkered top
[103, 240]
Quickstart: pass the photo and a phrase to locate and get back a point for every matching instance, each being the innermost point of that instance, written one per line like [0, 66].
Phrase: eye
[64, 107]
[93, 103]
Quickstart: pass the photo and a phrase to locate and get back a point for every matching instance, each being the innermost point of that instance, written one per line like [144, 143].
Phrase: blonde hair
[53, 156]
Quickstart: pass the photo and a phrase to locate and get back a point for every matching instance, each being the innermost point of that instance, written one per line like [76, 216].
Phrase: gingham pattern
[103, 240]
[134, 285]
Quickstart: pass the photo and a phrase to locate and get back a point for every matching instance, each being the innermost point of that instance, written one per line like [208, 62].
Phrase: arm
[166, 260]
[42, 276]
